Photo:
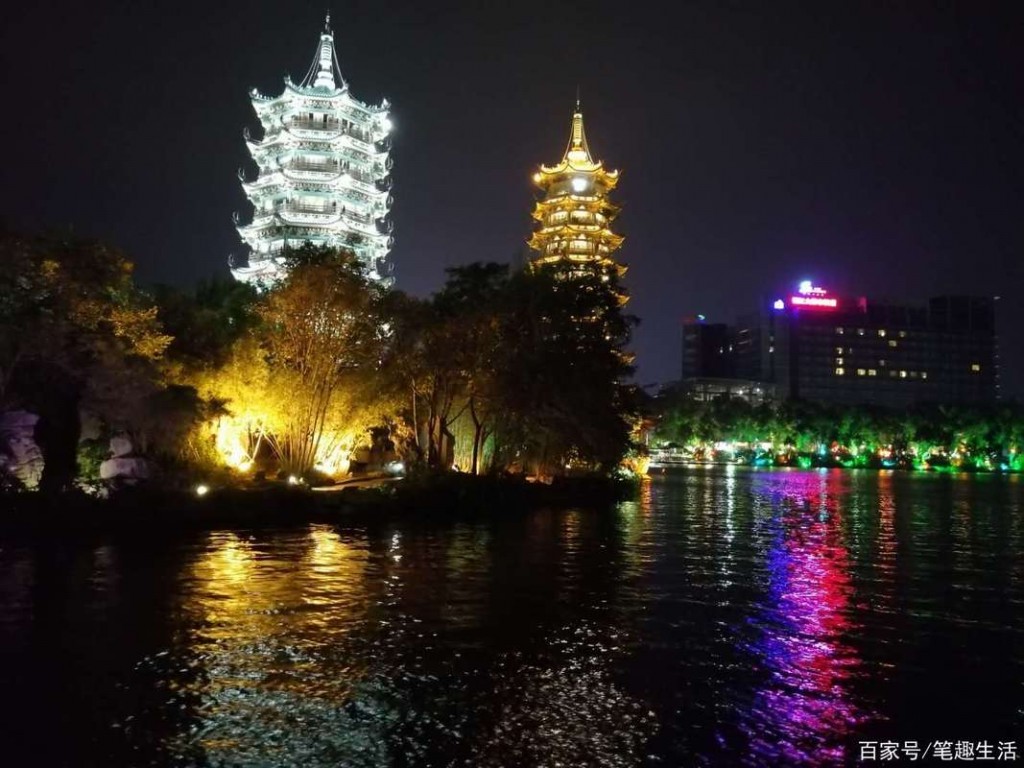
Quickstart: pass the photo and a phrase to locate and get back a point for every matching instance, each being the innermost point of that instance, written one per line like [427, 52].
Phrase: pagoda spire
[577, 152]
[325, 77]
[575, 214]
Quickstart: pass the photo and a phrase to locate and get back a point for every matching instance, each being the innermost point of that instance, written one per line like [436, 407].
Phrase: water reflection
[723, 617]
[803, 711]
[251, 669]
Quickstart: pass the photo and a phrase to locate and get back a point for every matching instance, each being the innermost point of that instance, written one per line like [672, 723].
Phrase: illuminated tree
[323, 336]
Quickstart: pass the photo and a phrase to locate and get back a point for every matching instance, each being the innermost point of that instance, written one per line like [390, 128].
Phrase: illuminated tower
[323, 172]
[575, 213]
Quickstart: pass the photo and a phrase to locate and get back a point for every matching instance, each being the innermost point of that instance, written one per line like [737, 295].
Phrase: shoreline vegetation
[923, 437]
[375, 499]
[503, 377]
[321, 375]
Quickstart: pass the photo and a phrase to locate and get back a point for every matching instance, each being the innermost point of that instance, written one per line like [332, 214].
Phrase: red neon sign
[813, 297]
[815, 302]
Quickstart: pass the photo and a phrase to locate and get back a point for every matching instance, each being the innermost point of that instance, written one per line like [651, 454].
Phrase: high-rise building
[818, 346]
[707, 349]
[323, 172]
[575, 214]
[711, 365]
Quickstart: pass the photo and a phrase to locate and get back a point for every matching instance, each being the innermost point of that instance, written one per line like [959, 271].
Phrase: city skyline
[871, 151]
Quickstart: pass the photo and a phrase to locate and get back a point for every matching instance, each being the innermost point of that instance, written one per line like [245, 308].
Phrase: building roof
[577, 155]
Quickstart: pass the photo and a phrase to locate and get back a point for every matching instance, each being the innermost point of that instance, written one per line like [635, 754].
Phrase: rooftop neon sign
[810, 296]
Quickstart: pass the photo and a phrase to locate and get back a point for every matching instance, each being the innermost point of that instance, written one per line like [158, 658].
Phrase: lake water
[726, 617]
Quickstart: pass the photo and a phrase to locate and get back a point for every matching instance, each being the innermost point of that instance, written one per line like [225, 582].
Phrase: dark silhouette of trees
[75, 333]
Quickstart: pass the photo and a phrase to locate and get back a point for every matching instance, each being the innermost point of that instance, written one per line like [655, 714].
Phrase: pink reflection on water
[803, 712]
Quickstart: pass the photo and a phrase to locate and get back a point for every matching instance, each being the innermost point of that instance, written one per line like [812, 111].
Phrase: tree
[72, 327]
[533, 361]
[470, 308]
[205, 324]
[322, 333]
[561, 372]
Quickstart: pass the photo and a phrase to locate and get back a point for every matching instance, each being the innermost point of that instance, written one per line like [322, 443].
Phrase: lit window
[860, 331]
[881, 363]
[839, 350]
[892, 374]
[975, 367]
[872, 372]
[903, 374]
[913, 374]
[881, 332]
[924, 374]
[903, 334]
[839, 361]
[893, 343]
[771, 350]
[840, 331]
[840, 371]
[861, 372]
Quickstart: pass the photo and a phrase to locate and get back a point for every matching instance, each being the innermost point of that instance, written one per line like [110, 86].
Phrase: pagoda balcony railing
[366, 221]
[323, 171]
[361, 144]
[361, 139]
[291, 207]
[305, 165]
[363, 182]
[570, 249]
[324, 215]
[309, 213]
[326, 126]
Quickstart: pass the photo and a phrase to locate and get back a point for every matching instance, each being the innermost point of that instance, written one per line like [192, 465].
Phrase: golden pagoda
[575, 213]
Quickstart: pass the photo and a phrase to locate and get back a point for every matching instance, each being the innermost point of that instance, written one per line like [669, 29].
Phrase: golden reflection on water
[235, 585]
[332, 566]
[259, 623]
[635, 522]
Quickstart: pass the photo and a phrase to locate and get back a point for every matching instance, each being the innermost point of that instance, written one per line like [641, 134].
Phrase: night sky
[873, 147]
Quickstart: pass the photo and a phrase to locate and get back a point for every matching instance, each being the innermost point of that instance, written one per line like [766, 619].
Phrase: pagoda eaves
[575, 213]
[323, 165]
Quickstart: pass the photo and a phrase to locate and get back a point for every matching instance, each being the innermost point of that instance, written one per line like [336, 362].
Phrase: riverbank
[826, 461]
[151, 509]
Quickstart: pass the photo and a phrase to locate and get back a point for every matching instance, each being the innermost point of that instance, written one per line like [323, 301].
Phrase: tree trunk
[477, 433]
[57, 433]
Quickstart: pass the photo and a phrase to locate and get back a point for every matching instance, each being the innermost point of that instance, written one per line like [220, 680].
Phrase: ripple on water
[722, 618]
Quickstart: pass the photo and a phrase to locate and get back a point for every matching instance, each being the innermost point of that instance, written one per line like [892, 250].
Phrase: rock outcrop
[122, 466]
[20, 455]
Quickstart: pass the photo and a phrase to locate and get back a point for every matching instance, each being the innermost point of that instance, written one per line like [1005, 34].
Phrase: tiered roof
[323, 165]
[575, 212]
